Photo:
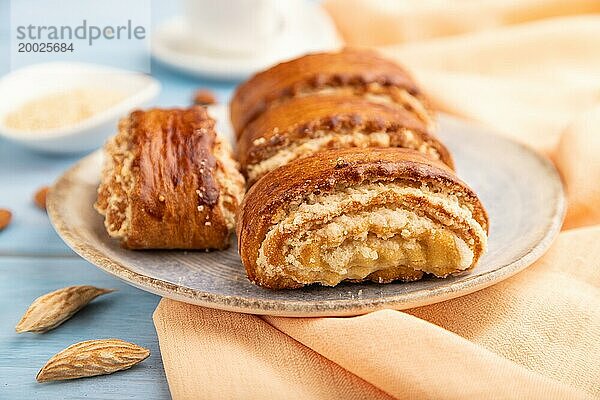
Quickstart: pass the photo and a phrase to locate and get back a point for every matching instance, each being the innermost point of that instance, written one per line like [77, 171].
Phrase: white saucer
[306, 28]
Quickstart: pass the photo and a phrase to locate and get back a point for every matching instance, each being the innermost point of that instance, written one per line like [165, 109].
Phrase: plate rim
[297, 308]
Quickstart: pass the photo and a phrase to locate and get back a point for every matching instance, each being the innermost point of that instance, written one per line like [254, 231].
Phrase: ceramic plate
[521, 191]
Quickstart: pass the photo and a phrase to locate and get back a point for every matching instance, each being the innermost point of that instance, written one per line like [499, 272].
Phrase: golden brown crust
[350, 67]
[303, 118]
[325, 173]
[173, 201]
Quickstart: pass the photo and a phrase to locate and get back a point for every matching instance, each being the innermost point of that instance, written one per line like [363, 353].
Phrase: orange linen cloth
[535, 335]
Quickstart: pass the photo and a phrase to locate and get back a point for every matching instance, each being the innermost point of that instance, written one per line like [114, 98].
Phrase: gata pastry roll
[169, 182]
[305, 125]
[382, 215]
[350, 71]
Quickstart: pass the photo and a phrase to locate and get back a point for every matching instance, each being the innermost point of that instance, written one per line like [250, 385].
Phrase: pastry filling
[366, 231]
[322, 140]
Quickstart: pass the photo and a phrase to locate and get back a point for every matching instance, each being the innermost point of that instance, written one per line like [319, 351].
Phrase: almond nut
[40, 197]
[52, 309]
[5, 218]
[91, 358]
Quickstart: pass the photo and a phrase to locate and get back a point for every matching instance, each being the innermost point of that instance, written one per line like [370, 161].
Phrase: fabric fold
[412, 359]
[578, 160]
[530, 92]
[214, 354]
[383, 22]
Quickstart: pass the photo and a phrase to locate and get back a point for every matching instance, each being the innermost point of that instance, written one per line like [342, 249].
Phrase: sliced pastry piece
[351, 71]
[169, 183]
[360, 215]
[303, 126]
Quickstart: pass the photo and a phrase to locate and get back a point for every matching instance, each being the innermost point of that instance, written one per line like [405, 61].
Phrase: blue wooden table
[34, 261]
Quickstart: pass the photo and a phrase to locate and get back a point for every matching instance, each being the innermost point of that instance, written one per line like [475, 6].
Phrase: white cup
[234, 26]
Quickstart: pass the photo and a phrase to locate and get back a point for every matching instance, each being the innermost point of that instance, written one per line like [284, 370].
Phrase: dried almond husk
[91, 358]
[52, 309]
[5, 218]
[39, 198]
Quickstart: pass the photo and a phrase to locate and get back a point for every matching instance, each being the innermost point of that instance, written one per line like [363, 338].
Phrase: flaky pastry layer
[305, 125]
[326, 141]
[375, 92]
[169, 182]
[117, 182]
[349, 71]
[230, 181]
